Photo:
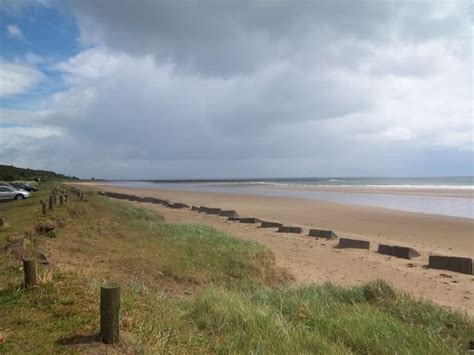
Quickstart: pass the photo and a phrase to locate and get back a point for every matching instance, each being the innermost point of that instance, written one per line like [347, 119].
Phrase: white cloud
[22, 117]
[15, 32]
[90, 64]
[17, 78]
[21, 144]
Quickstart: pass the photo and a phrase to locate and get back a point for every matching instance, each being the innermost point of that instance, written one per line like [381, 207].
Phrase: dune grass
[191, 289]
[202, 250]
[325, 319]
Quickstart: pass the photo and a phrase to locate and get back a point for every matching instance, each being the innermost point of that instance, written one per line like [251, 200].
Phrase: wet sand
[311, 260]
[393, 190]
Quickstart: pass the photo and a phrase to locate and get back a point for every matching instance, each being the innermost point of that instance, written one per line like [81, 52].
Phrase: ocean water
[450, 196]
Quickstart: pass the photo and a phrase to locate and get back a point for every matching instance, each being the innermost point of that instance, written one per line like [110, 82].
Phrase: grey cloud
[156, 113]
[229, 37]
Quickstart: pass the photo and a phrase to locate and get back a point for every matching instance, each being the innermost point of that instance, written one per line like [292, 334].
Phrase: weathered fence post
[109, 313]
[54, 199]
[65, 198]
[81, 195]
[2, 221]
[51, 202]
[44, 209]
[29, 268]
[61, 199]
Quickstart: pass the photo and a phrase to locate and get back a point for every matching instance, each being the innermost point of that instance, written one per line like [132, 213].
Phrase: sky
[237, 89]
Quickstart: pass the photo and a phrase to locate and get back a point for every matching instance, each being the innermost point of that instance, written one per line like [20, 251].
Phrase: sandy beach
[311, 260]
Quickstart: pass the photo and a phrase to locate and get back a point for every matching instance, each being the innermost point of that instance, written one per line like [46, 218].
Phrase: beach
[449, 196]
[311, 260]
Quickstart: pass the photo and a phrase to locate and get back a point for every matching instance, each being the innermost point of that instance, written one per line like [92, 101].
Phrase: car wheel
[19, 197]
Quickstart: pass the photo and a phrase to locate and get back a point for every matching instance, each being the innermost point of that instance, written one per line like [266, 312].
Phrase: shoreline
[445, 202]
[392, 190]
[398, 190]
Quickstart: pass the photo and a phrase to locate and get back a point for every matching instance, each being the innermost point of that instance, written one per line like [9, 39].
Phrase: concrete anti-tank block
[353, 243]
[229, 213]
[249, 220]
[452, 263]
[287, 229]
[266, 224]
[322, 233]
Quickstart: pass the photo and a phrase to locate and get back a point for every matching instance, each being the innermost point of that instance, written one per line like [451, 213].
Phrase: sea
[449, 196]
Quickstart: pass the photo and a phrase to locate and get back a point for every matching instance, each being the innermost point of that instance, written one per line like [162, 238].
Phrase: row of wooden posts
[109, 293]
[52, 202]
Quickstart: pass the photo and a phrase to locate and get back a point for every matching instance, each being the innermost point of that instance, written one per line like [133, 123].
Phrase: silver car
[10, 193]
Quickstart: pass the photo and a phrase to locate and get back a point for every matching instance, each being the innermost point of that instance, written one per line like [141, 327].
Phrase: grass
[202, 254]
[191, 289]
[325, 319]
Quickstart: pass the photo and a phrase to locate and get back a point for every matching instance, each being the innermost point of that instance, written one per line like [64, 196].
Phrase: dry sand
[311, 260]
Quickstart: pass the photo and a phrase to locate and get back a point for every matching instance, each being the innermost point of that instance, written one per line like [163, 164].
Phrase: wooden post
[61, 199]
[81, 196]
[65, 198]
[54, 199]
[51, 202]
[2, 221]
[29, 268]
[44, 209]
[109, 313]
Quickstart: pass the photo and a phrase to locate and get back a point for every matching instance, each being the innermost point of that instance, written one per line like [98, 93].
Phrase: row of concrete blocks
[216, 211]
[441, 262]
[155, 200]
[392, 250]
[318, 233]
[457, 264]
[451, 263]
[397, 251]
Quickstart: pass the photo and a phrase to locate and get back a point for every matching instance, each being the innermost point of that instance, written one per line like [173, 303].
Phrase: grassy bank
[192, 289]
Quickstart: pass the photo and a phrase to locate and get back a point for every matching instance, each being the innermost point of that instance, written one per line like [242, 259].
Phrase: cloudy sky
[219, 89]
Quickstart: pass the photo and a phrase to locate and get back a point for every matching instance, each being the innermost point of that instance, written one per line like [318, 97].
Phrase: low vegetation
[13, 173]
[191, 289]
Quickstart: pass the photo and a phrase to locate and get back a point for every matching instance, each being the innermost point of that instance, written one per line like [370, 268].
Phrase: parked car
[23, 186]
[11, 193]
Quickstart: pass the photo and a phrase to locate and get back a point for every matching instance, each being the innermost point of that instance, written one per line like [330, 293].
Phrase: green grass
[325, 319]
[34, 320]
[22, 216]
[202, 250]
[189, 288]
